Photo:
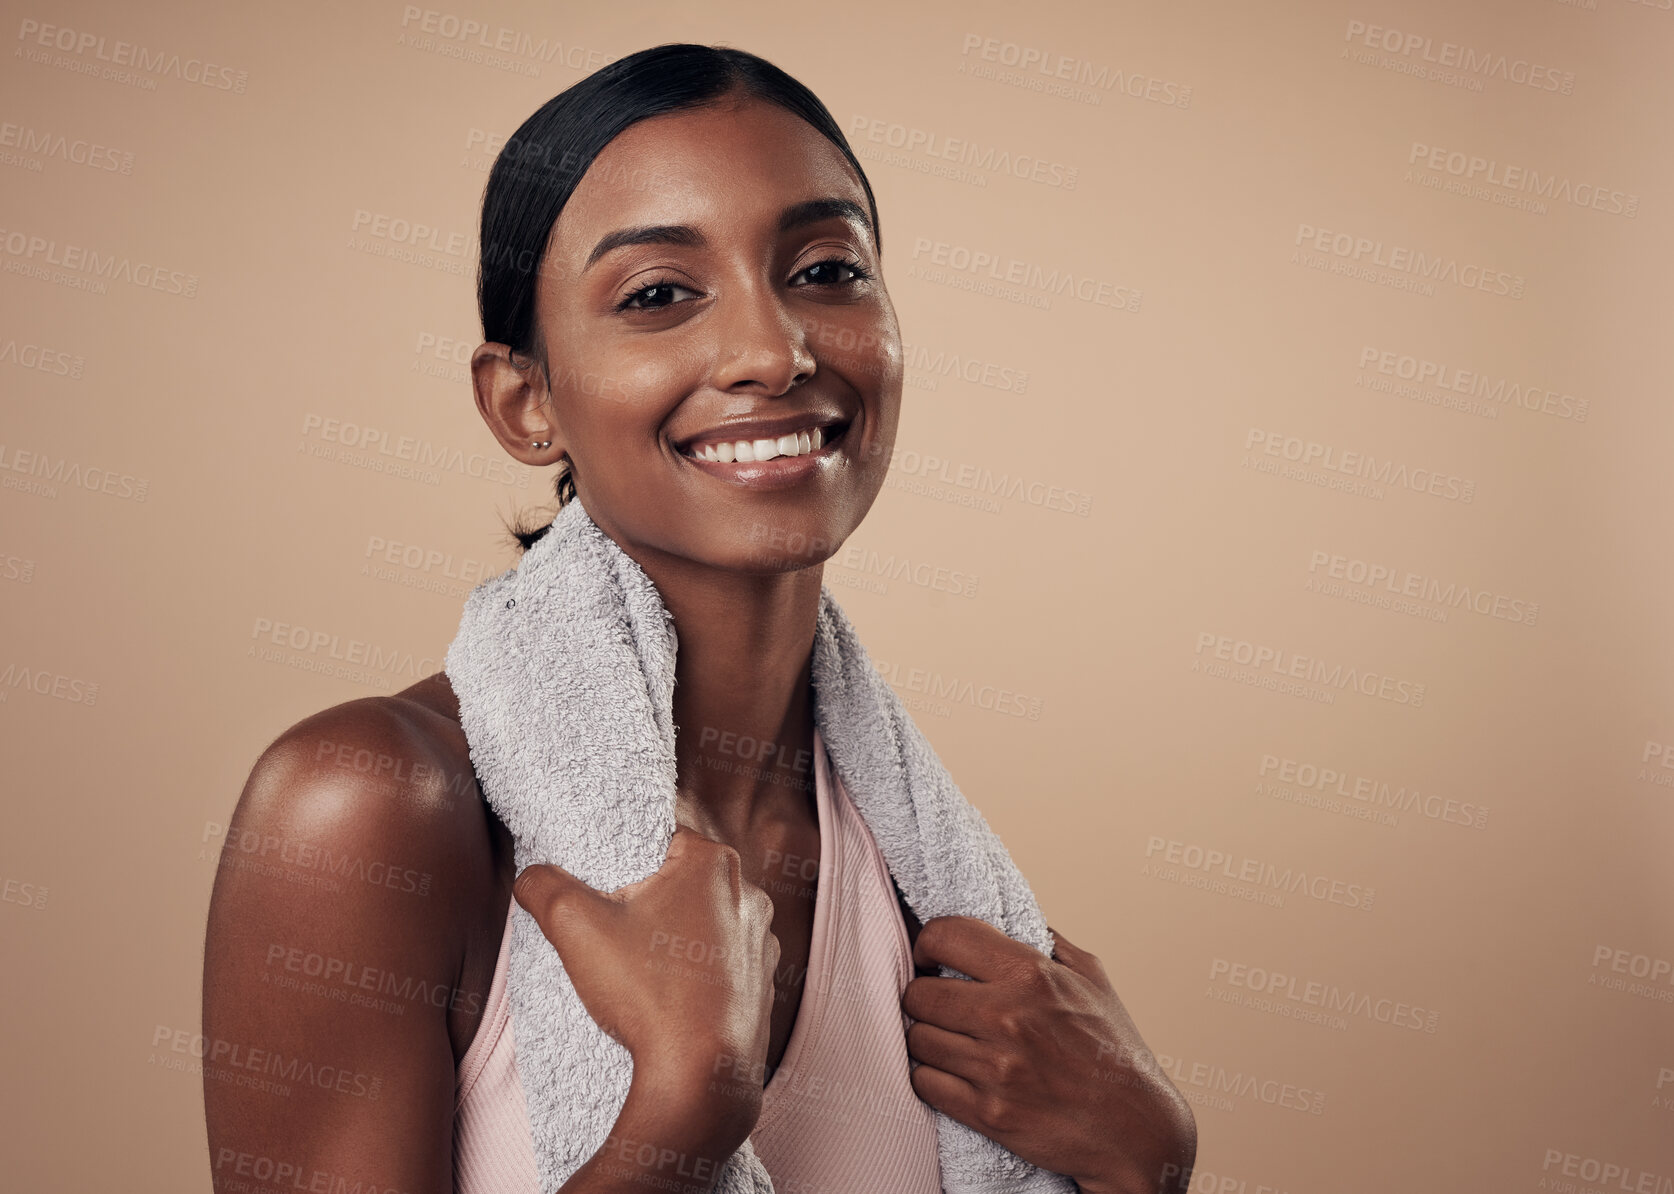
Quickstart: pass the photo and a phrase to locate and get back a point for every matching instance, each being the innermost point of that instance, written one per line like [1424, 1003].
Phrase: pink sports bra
[839, 1115]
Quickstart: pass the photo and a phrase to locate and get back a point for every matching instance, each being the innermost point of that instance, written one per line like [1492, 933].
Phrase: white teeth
[798, 443]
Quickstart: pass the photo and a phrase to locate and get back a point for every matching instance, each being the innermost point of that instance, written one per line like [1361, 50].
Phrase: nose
[762, 343]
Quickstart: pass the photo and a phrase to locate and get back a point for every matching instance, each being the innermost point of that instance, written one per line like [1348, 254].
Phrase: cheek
[631, 392]
[861, 344]
[655, 372]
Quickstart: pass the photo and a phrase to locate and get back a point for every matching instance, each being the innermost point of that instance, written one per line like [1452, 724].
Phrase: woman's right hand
[678, 968]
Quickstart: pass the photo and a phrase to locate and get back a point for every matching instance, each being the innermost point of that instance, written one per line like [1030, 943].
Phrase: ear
[512, 396]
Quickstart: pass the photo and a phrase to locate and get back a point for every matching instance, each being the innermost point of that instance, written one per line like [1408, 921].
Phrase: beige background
[162, 505]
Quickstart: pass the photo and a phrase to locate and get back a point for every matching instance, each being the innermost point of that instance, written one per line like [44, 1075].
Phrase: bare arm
[333, 952]
[334, 989]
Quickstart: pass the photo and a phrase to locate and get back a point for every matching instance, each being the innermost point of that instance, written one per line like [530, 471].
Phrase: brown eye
[831, 268]
[654, 297]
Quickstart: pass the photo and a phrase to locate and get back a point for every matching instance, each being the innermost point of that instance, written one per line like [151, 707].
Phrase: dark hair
[543, 161]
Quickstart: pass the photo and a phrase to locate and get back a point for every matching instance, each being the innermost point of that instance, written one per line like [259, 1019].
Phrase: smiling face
[713, 282]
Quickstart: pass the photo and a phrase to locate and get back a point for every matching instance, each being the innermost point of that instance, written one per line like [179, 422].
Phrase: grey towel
[564, 668]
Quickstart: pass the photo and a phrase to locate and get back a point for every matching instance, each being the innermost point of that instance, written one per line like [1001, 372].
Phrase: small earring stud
[542, 443]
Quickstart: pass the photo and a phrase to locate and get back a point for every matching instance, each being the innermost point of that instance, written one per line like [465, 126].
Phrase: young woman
[683, 310]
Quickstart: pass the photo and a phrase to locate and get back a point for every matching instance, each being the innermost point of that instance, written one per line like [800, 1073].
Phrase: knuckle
[728, 860]
[1005, 1067]
[1033, 976]
[994, 1112]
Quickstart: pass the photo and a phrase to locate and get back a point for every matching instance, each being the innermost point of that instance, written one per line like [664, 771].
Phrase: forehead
[736, 166]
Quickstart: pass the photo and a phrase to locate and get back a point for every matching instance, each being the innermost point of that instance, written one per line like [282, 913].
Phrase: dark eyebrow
[652, 234]
[814, 210]
[809, 211]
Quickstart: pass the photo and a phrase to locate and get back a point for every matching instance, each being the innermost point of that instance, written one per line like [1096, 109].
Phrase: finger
[955, 1004]
[969, 945]
[553, 897]
[948, 1093]
[1077, 959]
[953, 1052]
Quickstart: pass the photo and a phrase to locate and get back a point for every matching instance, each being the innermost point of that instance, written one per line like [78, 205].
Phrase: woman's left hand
[1039, 1055]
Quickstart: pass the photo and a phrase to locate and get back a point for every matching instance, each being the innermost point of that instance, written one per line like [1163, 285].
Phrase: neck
[743, 696]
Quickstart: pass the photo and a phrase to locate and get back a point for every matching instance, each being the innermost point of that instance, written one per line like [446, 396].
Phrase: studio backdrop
[1276, 548]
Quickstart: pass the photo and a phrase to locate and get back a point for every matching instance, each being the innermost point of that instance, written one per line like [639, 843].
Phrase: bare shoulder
[408, 747]
[371, 798]
[353, 928]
